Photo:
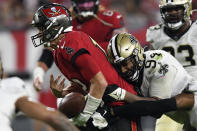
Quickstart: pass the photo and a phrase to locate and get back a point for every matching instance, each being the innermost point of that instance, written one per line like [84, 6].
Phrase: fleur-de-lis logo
[163, 69]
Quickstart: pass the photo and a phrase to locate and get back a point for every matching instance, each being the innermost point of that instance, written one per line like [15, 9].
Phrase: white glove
[38, 78]
[99, 121]
[92, 104]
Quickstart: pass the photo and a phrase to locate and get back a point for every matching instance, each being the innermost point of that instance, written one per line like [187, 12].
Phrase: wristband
[39, 73]
[92, 104]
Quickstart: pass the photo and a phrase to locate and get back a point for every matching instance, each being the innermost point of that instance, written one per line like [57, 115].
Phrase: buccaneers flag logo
[54, 12]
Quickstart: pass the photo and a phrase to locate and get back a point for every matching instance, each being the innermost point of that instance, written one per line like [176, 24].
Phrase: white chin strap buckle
[175, 26]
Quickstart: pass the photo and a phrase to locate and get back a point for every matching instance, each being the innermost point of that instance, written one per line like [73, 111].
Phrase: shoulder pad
[155, 27]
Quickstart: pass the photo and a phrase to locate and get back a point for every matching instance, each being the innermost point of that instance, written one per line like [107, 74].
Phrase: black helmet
[51, 20]
[85, 8]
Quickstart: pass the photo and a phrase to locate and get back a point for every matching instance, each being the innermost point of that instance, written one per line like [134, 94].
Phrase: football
[72, 104]
[75, 88]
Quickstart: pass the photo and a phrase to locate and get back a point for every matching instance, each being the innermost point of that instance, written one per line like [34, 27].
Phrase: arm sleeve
[144, 108]
[46, 57]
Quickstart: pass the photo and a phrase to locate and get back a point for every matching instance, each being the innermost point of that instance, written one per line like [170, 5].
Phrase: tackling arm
[182, 101]
[37, 111]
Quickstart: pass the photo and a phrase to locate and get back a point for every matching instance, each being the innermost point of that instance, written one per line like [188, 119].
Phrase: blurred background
[18, 53]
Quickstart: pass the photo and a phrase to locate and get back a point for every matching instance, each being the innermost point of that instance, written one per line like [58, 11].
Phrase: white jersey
[165, 77]
[184, 49]
[10, 90]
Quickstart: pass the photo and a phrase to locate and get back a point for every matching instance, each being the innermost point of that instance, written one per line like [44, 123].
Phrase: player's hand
[92, 104]
[113, 93]
[38, 78]
[57, 89]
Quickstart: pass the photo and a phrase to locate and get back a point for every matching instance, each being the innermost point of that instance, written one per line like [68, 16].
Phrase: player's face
[53, 44]
[127, 68]
[86, 6]
[85, 10]
[173, 14]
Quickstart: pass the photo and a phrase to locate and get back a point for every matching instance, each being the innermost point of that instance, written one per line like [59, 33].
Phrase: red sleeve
[73, 43]
[87, 66]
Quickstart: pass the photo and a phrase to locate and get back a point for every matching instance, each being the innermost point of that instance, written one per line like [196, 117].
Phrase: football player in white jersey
[14, 98]
[155, 73]
[177, 33]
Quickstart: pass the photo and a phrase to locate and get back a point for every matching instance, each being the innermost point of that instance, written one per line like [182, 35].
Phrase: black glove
[113, 93]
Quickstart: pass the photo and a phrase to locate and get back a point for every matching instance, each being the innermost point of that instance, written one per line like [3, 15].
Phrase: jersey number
[180, 49]
[150, 63]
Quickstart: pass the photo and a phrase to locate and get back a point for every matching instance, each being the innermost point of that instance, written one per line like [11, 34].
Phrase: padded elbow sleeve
[144, 108]
[46, 57]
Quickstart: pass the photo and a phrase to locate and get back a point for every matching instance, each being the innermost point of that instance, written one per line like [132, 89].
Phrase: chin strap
[175, 26]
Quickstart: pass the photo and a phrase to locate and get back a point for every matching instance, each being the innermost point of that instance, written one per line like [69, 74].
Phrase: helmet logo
[55, 12]
[69, 50]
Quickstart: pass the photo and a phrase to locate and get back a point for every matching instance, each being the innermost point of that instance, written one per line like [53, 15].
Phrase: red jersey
[79, 59]
[100, 32]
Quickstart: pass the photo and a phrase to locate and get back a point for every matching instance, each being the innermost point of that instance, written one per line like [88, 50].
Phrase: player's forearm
[132, 98]
[98, 86]
[42, 65]
[60, 123]
[185, 101]
[143, 108]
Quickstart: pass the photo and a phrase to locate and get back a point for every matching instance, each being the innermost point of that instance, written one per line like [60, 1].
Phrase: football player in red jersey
[87, 16]
[90, 17]
[100, 23]
[81, 60]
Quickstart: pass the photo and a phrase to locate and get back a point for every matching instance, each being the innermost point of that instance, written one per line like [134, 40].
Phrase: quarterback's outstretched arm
[38, 111]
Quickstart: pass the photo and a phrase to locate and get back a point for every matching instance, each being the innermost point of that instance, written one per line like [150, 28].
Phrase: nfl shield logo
[69, 50]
